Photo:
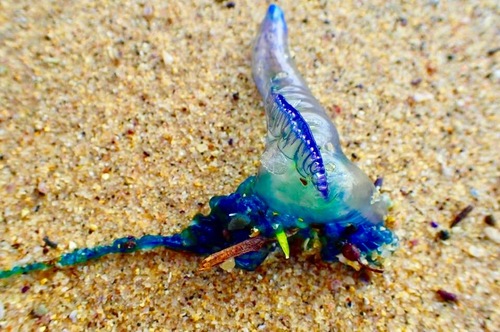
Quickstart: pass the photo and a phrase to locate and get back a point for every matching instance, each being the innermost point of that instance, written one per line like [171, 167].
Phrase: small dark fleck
[351, 252]
[450, 57]
[182, 211]
[349, 230]
[326, 21]
[431, 70]
[236, 96]
[230, 141]
[359, 86]
[459, 217]
[130, 244]
[403, 21]
[337, 109]
[434, 224]
[305, 20]
[490, 220]
[230, 4]
[443, 235]
[49, 243]
[39, 311]
[416, 81]
[354, 156]
[364, 275]
[37, 208]
[25, 288]
[146, 154]
[1, 157]
[16, 245]
[405, 191]
[42, 189]
[447, 296]
[414, 243]
[493, 51]
[379, 182]
[303, 181]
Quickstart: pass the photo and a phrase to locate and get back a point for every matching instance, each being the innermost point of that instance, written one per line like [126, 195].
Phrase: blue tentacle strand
[306, 189]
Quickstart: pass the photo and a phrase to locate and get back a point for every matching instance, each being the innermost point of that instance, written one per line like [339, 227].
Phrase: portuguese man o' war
[306, 190]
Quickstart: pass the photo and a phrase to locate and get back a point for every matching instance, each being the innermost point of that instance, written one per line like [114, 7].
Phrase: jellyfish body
[304, 171]
[306, 189]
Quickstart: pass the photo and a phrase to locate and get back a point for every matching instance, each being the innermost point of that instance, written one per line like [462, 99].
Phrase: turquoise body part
[306, 190]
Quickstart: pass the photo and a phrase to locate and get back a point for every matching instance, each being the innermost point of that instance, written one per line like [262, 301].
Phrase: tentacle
[233, 220]
[122, 245]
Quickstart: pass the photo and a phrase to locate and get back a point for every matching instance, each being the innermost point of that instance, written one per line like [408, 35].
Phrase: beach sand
[124, 119]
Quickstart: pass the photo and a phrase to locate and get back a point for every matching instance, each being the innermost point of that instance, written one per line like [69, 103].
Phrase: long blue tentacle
[122, 245]
[232, 219]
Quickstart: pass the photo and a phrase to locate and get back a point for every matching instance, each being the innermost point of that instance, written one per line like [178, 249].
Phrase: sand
[124, 119]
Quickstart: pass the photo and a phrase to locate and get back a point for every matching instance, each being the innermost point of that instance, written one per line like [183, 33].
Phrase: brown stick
[252, 244]
[459, 217]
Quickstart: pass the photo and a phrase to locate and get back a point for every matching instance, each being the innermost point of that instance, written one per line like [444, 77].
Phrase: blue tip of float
[275, 13]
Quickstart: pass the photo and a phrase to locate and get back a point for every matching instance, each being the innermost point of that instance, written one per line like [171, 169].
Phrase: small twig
[252, 244]
[372, 269]
[493, 51]
[459, 217]
[447, 296]
[49, 242]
